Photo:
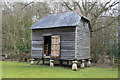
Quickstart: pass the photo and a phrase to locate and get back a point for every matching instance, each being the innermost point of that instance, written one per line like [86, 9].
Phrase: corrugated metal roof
[71, 18]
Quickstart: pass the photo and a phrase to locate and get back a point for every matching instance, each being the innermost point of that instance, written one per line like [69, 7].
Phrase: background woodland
[18, 17]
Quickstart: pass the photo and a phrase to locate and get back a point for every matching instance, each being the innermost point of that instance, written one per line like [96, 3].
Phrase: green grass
[25, 70]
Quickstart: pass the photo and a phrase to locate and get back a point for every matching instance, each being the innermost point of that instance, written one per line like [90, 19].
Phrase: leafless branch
[65, 4]
[28, 4]
[110, 23]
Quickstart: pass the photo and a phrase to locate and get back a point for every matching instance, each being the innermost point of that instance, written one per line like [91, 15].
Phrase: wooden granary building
[62, 36]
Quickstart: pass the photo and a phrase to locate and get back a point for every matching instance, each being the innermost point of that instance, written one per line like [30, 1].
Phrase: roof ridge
[77, 11]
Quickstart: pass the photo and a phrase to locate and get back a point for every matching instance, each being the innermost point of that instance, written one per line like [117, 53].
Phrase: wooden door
[55, 46]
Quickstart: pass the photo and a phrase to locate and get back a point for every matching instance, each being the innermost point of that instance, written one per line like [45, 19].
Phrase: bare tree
[17, 19]
[103, 25]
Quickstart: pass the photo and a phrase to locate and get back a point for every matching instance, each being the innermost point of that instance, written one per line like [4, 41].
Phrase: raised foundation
[51, 63]
[74, 65]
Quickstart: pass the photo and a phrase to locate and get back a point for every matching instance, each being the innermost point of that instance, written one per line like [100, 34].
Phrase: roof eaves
[79, 13]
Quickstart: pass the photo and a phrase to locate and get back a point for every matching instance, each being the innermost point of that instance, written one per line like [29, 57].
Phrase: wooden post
[113, 59]
[68, 62]
[43, 61]
[61, 62]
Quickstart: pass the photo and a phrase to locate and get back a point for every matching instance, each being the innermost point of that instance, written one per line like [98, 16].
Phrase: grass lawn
[25, 70]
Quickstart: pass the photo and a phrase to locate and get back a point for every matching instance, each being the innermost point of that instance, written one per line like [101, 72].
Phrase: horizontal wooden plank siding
[67, 40]
[33, 55]
[33, 48]
[37, 38]
[37, 45]
[37, 51]
[37, 42]
[82, 40]
[67, 47]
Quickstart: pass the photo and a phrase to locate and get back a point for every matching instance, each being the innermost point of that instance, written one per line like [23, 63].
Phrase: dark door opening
[47, 45]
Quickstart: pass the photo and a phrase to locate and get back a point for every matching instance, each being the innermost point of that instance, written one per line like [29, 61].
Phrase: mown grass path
[25, 70]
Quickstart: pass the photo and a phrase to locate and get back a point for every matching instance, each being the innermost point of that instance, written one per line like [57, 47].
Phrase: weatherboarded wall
[67, 41]
[82, 45]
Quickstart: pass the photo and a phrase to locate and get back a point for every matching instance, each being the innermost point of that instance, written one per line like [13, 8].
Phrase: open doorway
[52, 46]
[47, 45]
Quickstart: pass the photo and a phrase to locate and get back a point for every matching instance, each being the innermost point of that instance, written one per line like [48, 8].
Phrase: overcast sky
[52, 0]
[61, 1]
